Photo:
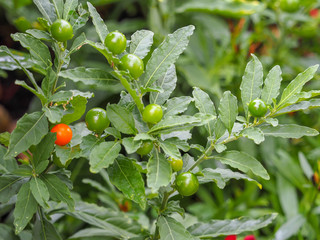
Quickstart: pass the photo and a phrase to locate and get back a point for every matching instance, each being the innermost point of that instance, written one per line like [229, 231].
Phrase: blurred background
[278, 32]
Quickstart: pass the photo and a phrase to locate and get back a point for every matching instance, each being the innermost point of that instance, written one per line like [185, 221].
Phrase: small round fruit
[61, 30]
[116, 42]
[64, 134]
[97, 120]
[258, 108]
[290, 5]
[152, 113]
[176, 164]
[187, 183]
[145, 148]
[133, 64]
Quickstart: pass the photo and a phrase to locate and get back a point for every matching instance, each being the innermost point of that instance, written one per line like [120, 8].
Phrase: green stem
[132, 92]
[60, 51]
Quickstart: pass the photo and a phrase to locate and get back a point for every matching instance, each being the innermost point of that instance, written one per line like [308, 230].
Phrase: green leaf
[67, 154]
[272, 85]
[79, 18]
[69, 7]
[141, 42]
[79, 105]
[48, 81]
[113, 132]
[287, 195]
[178, 123]
[288, 131]
[307, 169]
[290, 228]
[170, 229]
[177, 105]
[159, 171]
[58, 190]
[203, 102]
[295, 86]
[26, 86]
[219, 128]
[100, 26]
[113, 225]
[131, 145]
[254, 134]
[9, 186]
[221, 176]
[44, 230]
[6, 165]
[103, 155]
[166, 54]
[78, 43]
[90, 76]
[127, 178]
[55, 113]
[44, 149]
[88, 143]
[228, 110]
[272, 121]
[23, 171]
[167, 83]
[25, 207]
[29, 131]
[170, 149]
[216, 228]
[40, 34]
[251, 82]
[38, 50]
[47, 9]
[5, 138]
[225, 8]
[58, 5]
[39, 191]
[244, 162]
[304, 105]
[173, 207]
[121, 119]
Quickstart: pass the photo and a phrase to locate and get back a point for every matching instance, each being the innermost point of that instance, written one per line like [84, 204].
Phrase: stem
[60, 51]
[208, 151]
[126, 85]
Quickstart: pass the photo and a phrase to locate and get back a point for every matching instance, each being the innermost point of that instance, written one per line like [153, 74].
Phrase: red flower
[231, 237]
[249, 237]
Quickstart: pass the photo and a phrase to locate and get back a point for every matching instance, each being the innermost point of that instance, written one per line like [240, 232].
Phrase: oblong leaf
[29, 131]
[38, 50]
[58, 190]
[295, 86]
[228, 110]
[251, 82]
[25, 207]
[166, 54]
[141, 42]
[167, 83]
[100, 26]
[217, 228]
[159, 171]
[288, 131]
[89, 76]
[244, 162]
[47, 9]
[103, 155]
[272, 85]
[221, 176]
[127, 178]
[121, 119]
[39, 191]
[170, 229]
